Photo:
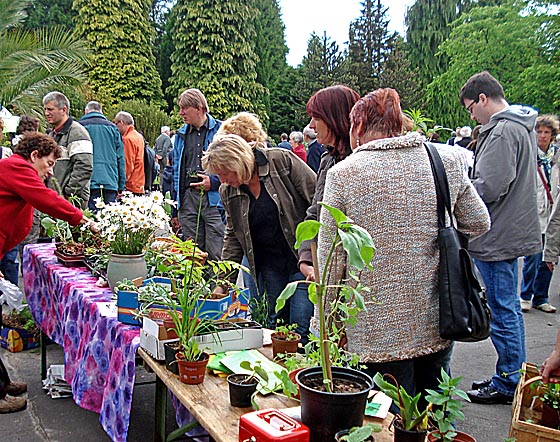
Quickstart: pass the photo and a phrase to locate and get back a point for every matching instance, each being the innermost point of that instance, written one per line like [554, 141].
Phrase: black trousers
[4, 378]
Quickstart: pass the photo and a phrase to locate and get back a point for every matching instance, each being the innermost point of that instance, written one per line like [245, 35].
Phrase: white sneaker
[526, 306]
[546, 307]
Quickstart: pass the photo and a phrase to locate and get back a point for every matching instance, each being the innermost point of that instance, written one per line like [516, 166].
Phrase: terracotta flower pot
[292, 374]
[192, 372]
[460, 437]
[281, 345]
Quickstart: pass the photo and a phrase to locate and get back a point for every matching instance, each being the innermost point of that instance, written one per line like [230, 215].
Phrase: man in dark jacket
[315, 150]
[504, 174]
[109, 176]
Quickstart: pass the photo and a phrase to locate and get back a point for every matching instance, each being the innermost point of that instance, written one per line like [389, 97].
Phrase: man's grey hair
[94, 106]
[297, 137]
[165, 129]
[59, 100]
[309, 133]
[125, 117]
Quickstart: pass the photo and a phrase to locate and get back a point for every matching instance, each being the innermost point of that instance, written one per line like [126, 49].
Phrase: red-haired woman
[387, 187]
[329, 109]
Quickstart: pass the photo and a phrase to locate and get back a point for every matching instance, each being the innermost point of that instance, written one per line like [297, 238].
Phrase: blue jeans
[507, 329]
[415, 374]
[536, 280]
[9, 265]
[298, 309]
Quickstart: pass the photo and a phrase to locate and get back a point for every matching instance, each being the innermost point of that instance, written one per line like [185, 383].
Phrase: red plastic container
[271, 425]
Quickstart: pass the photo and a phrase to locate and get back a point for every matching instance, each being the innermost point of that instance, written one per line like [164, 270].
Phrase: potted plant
[549, 395]
[242, 386]
[321, 388]
[129, 226]
[411, 424]
[358, 434]
[445, 410]
[284, 339]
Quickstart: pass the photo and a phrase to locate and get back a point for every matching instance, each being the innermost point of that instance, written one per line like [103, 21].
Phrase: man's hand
[1, 275]
[550, 266]
[175, 224]
[204, 183]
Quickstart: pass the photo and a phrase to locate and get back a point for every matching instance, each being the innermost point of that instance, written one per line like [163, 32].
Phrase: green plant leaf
[306, 230]
[286, 294]
[337, 214]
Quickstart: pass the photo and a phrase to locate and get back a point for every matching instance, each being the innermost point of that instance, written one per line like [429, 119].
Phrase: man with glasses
[504, 176]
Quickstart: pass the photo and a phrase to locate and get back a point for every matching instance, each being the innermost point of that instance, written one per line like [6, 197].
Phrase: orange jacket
[134, 160]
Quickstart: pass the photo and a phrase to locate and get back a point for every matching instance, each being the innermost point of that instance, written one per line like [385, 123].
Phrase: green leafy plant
[360, 434]
[411, 418]
[448, 409]
[286, 332]
[257, 373]
[347, 294]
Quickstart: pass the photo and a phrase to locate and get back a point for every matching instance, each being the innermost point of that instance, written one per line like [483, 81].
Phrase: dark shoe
[12, 404]
[477, 385]
[16, 388]
[489, 396]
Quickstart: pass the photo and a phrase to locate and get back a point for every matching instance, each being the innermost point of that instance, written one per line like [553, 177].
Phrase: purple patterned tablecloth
[99, 351]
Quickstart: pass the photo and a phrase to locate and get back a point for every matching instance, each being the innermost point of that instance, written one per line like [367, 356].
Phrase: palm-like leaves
[33, 63]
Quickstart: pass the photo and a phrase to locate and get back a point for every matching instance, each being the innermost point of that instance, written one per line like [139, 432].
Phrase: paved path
[60, 420]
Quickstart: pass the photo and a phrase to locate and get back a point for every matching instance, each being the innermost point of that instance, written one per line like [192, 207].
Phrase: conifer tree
[370, 44]
[121, 38]
[214, 51]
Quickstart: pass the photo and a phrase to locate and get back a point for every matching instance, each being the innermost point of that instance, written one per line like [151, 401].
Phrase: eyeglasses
[469, 107]
[117, 122]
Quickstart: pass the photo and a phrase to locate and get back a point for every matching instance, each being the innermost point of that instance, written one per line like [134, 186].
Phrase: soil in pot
[171, 364]
[402, 435]
[192, 372]
[241, 388]
[282, 345]
[328, 413]
[460, 437]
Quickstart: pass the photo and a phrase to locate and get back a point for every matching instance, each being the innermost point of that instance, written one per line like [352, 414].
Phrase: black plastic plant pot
[240, 391]
[170, 361]
[402, 435]
[328, 413]
[338, 437]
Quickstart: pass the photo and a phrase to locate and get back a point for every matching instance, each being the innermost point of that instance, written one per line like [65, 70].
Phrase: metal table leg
[43, 347]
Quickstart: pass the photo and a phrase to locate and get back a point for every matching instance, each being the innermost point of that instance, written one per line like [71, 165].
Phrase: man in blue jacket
[189, 178]
[109, 177]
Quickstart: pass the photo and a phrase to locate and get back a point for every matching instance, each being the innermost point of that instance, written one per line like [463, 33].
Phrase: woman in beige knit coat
[387, 187]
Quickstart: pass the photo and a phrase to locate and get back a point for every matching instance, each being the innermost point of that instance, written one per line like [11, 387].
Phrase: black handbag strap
[442, 185]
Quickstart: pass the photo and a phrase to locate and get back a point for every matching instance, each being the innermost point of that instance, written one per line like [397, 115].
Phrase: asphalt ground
[61, 420]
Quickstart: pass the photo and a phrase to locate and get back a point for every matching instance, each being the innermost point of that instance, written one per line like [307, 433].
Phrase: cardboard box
[17, 339]
[153, 345]
[127, 301]
[226, 306]
[156, 328]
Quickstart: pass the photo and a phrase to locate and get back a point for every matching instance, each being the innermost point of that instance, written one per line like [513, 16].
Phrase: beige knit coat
[387, 187]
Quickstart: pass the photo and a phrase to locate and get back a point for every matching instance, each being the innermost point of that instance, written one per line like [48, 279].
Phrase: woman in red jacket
[21, 189]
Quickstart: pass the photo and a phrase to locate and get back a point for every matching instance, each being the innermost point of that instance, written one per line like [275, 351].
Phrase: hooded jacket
[505, 177]
[108, 152]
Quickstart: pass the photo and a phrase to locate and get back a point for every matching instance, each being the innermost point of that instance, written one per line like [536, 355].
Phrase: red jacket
[21, 190]
[300, 151]
[134, 160]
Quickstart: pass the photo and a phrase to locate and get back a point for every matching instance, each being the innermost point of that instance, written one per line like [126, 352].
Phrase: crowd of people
[241, 199]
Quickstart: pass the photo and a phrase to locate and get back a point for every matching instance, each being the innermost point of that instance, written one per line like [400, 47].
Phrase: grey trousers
[211, 229]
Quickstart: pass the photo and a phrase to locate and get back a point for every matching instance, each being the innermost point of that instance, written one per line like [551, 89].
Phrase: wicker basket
[528, 408]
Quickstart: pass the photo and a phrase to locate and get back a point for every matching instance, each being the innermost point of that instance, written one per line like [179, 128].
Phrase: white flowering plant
[129, 225]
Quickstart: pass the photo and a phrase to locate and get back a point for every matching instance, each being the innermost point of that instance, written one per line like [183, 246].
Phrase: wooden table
[209, 404]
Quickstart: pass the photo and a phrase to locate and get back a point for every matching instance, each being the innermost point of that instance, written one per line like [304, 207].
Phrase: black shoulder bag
[463, 310]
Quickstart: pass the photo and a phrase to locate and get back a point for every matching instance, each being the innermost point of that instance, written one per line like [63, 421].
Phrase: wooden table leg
[43, 347]
[161, 411]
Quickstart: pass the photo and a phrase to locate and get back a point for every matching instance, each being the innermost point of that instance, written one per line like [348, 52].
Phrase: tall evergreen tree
[370, 44]
[214, 52]
[324, 65]
[271, 50]
[427, 23]
[49, 13]
[121, 38]
[399, 74]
